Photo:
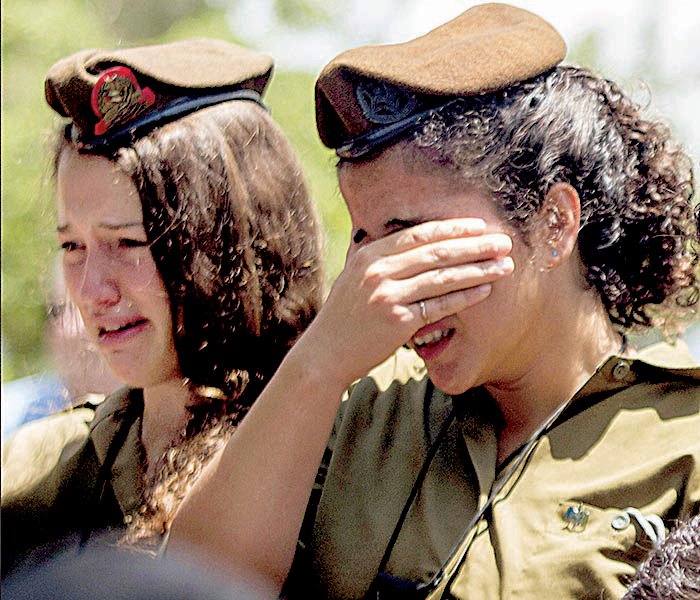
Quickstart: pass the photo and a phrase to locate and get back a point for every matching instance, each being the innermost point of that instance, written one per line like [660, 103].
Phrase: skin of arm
[245, 512]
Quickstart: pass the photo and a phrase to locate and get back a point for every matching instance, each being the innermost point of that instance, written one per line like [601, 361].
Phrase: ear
[560, 217]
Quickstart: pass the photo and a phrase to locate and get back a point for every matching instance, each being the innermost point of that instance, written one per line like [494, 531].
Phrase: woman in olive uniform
[192, 250]
[513, 221]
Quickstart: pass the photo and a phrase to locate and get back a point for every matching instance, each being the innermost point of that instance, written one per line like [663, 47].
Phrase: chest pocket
[596, 550]
[571, 549]
[619, 532]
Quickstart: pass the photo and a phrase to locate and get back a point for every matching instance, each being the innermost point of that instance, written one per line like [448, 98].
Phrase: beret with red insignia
[114, 97]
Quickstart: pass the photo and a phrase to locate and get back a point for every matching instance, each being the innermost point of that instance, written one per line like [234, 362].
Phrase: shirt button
[621, 521]
[128, 519]
[621, 370]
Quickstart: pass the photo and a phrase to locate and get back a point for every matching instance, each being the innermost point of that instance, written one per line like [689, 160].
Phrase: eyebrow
[392, 226]
[110, 226]
[397, 223]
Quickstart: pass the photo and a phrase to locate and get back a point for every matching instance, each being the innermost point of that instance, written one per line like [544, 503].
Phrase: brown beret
[376, 90]
[112, 97]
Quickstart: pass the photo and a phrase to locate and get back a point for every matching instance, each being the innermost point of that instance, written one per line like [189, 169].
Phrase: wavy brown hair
[639, 233]
[237, 243]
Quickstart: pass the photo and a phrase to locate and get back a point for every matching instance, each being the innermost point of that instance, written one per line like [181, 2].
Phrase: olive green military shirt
[71, 474]
[559, 528]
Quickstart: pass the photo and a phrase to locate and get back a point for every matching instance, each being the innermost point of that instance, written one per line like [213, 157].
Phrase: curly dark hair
[236, 240]
[639, 233]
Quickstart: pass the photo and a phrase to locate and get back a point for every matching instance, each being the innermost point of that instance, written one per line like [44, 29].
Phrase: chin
[131, 380]
[140, 374]
[452, 390]
[448, 383]
[134, 378]
[457, 375]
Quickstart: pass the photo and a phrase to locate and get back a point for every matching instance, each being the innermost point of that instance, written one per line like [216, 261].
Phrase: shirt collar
[618, 372]
[124, 408]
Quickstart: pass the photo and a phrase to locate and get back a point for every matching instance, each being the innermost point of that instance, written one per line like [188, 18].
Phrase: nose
[98, 286]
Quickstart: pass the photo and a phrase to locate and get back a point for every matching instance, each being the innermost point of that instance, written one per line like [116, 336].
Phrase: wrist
[314, 366]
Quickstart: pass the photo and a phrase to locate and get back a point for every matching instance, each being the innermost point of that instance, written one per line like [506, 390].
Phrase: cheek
[162, 307]
[142, 276]
[150, 288]
[480, 320]
[351, 251]
[73, 276]
[500, 311]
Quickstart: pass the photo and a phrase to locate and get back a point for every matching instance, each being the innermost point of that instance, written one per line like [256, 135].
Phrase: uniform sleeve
[402, 366]
[44, 468]
[34, 451]
[300, 583]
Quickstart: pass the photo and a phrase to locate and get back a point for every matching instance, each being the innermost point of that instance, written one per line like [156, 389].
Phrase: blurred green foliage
[35, 35]
[302, 13]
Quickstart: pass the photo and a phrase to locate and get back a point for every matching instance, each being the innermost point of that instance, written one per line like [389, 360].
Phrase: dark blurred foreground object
[123, 575]
[672, 570]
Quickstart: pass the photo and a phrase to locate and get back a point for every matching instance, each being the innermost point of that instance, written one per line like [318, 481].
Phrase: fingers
[451, 279]
[433, 309]
[448, 253]
[435, 267]
[440, 265]
[430, 232]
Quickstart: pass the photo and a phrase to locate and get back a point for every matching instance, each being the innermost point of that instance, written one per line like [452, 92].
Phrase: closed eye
[394, 225]
[132, 243]
[391, 226]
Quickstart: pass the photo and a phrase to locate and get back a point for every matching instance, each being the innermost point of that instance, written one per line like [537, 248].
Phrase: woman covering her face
[192, 251]
[513, 220]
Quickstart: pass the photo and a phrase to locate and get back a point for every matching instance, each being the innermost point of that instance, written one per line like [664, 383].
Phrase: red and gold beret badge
[117, 98]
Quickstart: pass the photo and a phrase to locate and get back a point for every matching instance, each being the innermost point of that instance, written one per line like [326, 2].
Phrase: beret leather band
[136, 128]
[377, 138]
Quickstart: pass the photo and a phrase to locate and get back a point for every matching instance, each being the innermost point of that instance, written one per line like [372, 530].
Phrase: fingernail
[477, 226]
[505, 265]
[503, 242]
[501, 266]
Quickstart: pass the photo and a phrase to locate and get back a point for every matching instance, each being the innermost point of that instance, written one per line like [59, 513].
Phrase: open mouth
[432, 338]
[128, 326]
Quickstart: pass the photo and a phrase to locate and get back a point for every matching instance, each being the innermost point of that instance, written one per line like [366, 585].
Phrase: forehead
[390, 187]
[93, 188]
